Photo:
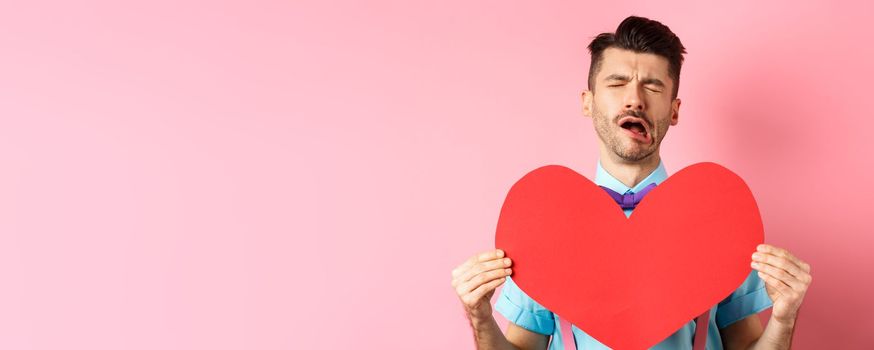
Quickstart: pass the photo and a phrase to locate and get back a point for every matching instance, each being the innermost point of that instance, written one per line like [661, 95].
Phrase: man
[632, 99]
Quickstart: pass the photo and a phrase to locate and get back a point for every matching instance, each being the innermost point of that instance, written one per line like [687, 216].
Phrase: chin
[634, 155]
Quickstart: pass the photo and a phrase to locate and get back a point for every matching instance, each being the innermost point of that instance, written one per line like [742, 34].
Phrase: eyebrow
[646, 81]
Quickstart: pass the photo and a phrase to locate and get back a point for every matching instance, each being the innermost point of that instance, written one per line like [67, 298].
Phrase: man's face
[631, 103]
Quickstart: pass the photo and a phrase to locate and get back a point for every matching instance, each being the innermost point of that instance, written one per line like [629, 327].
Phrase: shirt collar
[603, 178]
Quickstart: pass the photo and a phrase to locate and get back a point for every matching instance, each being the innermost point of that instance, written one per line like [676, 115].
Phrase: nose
[633, 98]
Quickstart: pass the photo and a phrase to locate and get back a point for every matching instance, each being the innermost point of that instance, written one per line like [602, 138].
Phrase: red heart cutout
[630, 282]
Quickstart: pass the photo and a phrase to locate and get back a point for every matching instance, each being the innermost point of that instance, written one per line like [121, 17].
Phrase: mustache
[633, 113]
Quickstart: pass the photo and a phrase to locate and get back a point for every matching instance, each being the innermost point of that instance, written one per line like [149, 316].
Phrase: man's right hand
[475, 281]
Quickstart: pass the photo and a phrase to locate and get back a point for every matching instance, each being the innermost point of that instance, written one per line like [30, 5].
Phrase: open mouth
[636, 128]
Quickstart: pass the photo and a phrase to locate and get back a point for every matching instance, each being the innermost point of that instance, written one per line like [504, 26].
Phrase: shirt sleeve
[519, 308]
[748, 299]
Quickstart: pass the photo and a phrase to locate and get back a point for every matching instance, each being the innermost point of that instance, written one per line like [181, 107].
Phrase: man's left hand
[786, 280]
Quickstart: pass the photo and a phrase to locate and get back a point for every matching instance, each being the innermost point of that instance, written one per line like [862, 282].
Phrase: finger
[480, 268]
[775, 283]
[767, 248]
[478, 293]
[464, 287]
[480, 279]
[484, 256]
[466, 264]
[780, 262]
[781, 275]
[483, 267]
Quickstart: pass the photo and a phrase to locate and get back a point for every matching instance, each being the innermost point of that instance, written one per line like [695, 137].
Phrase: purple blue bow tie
[629, 201]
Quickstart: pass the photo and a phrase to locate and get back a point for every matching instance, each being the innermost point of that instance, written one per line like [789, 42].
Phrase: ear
[675, 111]
[587, 103]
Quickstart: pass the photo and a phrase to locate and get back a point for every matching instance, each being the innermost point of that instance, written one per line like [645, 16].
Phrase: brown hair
[641, 35]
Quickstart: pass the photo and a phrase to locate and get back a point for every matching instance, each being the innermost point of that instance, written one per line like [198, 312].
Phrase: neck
[629, 173]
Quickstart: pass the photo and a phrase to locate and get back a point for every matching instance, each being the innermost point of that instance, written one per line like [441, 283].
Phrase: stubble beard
[609, 132]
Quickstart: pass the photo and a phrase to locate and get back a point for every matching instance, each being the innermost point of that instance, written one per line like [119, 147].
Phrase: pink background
[215, 175]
